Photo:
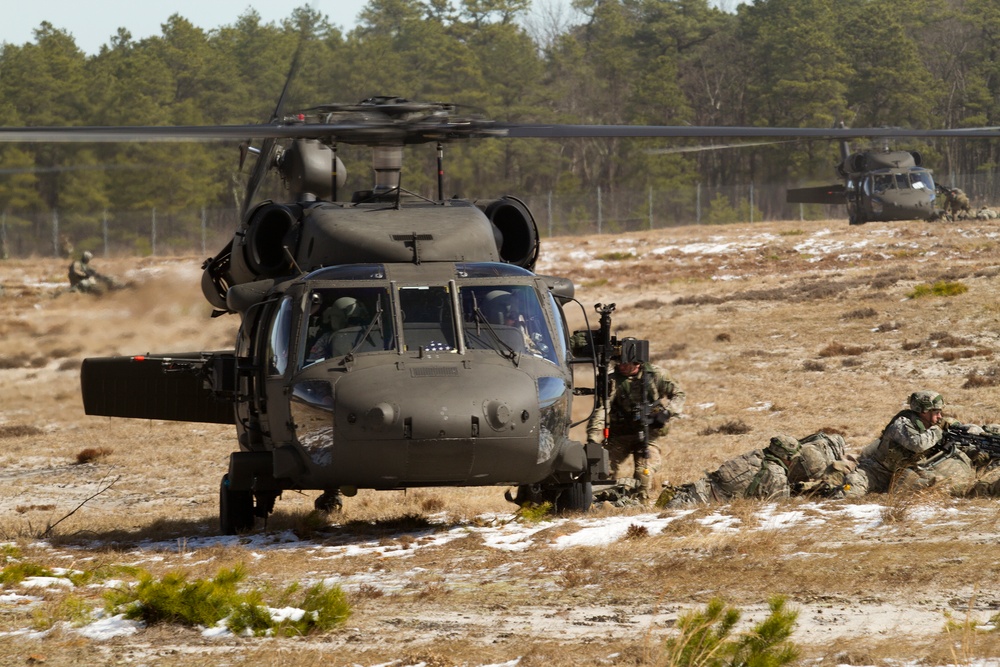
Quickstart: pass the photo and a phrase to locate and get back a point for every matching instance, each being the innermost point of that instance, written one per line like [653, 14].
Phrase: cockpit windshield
[917, 180]
[506, 317]
[922, 180]
[345, 320]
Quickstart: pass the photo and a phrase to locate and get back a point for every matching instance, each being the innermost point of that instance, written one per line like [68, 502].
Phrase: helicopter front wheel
[236, 513]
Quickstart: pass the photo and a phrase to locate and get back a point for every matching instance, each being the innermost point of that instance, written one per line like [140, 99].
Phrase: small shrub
[888, 326]
[953, 355]
[911, 345]
[940, 288]
[723, 338]
[703, 638]
[813, 365]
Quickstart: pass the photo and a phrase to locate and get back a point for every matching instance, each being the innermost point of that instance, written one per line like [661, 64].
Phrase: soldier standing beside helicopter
[642, 398]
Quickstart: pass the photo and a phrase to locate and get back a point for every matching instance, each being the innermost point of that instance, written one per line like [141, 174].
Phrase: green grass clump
[206, 602]
[940, 288]
[704, 638]
[15, 573]
[534, 512]
[616, 256]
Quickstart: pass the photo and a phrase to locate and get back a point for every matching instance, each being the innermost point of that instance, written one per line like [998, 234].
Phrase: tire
[578, 497]
[235, 509]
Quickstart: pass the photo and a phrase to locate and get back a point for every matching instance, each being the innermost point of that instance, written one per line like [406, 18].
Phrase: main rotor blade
[716, 147]
[423, 132]
[266, 155]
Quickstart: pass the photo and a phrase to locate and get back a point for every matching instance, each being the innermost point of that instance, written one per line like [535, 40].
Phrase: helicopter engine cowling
[857, 162]
[918, 160]
[263, 253]
[515, 230]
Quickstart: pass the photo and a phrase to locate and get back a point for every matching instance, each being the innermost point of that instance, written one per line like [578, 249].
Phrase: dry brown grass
[744, 348]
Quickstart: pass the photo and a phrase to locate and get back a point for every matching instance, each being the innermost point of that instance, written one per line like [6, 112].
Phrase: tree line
[789, 63]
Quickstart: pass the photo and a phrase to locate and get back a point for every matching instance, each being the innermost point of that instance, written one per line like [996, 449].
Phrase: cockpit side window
[902, 182]
[279, 339]
[511, 312]
[345, 319]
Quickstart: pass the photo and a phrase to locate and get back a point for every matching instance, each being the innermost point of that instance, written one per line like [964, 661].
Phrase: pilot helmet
[925, 401]
[498, 305]
[350, 308]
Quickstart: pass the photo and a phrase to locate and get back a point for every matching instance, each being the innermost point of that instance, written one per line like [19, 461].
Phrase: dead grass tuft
[859, 314]
[93, 454]
[19, 431]
[636, 532]
[698, 300]
[842, 350]
[909, 346]
[813, 365]
[648, 304]
[731, 427]
[723, 338]
[988, 378]
[954, 355]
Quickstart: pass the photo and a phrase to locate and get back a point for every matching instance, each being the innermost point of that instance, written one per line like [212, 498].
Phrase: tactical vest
[892, 455]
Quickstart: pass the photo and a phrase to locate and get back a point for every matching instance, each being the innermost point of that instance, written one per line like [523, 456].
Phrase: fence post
[650, 207]
[104, 231]
[600, 212]
[152, 234]
[3, 236]
[550, 213]
[204, 231]
[697, 206]
[55, 232]
[751, 202]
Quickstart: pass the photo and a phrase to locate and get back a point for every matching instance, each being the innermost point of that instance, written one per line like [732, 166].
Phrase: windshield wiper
[376, 319]
[500, 345]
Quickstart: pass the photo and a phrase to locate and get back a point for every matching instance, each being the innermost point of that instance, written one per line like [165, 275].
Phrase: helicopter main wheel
[236, 513]
[855, 219]
[578, 497]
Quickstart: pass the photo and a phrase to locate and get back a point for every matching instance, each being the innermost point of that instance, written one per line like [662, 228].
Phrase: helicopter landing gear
[855, 219]
[236, 514]
[573, 497]
[329, 502]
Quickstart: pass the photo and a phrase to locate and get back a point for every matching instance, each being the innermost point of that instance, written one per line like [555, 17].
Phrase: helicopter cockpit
[915, 179]
[485, 307]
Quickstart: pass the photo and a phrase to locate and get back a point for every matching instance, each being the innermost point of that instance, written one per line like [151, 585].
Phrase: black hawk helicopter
[879, 186]
[388, 341]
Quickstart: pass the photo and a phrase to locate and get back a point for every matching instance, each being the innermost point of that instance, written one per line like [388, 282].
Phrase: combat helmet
[783, 446]
[925, 401]
[87, 256]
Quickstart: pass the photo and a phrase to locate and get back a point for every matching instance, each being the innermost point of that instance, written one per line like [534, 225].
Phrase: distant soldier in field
[906, 455]
[956, 202]
[85, 278]
[634, 385]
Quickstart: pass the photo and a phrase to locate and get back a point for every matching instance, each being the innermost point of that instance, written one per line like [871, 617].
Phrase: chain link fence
[206, 231]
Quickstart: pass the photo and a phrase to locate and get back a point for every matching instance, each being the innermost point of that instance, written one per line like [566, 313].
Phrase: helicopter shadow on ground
[281, 529]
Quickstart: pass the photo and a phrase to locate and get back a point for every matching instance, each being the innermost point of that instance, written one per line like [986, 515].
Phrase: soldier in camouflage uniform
[956, 202]
[815, 465]
[904, 456]
[631, 384]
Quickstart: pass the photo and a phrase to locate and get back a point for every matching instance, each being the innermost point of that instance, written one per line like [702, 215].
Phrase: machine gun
[607, 350]
[975, 445]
